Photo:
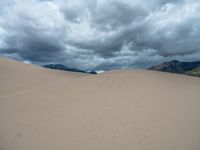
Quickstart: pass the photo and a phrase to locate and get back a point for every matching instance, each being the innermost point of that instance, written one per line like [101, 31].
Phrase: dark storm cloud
[115, 15]
[35, 46]
[100, 34]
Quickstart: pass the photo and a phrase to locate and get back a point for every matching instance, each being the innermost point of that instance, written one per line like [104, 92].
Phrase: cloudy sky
[100, 34]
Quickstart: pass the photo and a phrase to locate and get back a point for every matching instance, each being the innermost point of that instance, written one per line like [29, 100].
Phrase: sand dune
[43, 109]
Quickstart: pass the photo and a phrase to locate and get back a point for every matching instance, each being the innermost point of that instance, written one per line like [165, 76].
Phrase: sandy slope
[42, 109]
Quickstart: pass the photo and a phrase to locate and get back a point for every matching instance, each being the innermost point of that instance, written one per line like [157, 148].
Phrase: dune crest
[45, 109]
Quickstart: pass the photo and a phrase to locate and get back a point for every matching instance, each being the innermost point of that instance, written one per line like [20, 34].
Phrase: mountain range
[65, 68]
[175, 66]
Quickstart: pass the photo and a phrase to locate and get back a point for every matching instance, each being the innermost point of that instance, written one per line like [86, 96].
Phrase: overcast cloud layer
[100, 34]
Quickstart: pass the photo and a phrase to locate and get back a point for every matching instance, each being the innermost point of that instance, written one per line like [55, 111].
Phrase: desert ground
[43, 109]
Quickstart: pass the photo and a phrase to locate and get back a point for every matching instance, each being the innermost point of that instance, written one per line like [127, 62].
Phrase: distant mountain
[64, 68]
[92, 72]
[175, 66]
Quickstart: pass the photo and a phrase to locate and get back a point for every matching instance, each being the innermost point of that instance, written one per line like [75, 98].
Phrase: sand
[44, 109]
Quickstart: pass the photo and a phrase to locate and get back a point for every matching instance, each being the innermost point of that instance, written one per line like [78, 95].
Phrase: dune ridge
[45, 109]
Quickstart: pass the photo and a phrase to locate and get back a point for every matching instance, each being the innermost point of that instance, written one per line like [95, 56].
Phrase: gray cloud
[100, 34]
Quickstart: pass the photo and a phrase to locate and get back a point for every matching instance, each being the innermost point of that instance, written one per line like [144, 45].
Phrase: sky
[100, 34]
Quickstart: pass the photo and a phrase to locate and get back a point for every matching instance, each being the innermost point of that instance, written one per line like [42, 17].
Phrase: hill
[175, 66]
[194, 72]
[64, 68]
